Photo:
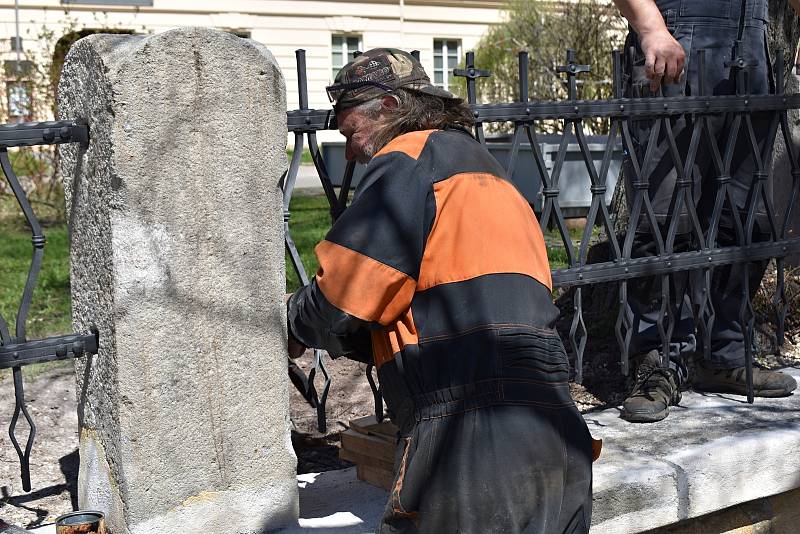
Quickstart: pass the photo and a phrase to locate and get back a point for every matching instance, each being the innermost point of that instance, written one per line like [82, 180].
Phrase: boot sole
[633, 417]
[767, 393]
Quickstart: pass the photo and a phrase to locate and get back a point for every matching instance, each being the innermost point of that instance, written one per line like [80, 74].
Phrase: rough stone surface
[175, 215]
[712, 452]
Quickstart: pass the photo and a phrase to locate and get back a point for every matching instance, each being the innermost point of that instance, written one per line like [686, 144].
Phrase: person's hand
[664, 58]
[296, 349]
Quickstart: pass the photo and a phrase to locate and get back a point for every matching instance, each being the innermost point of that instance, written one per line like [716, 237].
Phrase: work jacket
[437, 261]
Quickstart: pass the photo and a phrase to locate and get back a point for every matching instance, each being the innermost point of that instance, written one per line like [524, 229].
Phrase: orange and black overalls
[438, 268]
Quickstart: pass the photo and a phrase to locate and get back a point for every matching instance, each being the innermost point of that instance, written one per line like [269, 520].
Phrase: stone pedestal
[177, 257]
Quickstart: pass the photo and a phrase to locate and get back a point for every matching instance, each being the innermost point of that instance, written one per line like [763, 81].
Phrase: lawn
[49, 313]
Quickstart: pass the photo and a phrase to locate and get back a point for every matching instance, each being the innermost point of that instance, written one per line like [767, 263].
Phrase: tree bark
[784, 33]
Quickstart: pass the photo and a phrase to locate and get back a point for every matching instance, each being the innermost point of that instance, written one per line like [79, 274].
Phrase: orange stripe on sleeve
[390, 340]
[410, 144]
[362, 286]
[483, 226]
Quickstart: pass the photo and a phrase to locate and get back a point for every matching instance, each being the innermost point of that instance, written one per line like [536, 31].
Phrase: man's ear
[390, 101]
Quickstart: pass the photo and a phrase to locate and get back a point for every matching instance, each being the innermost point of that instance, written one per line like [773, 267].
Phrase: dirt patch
[50, 398]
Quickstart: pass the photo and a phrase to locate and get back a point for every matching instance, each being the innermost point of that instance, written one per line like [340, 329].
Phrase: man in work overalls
[661, 52]
[437, 272]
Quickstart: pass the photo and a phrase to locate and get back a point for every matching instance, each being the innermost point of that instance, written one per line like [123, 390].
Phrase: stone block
[175, 216]
[631, 493]
[713, 453]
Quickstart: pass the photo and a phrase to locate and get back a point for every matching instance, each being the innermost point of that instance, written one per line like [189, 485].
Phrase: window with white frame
[19, 100]
[446, 54]
[343, 49]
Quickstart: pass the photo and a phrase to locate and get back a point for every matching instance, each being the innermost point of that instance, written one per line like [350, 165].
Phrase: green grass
[305, 158]
[308, 225]
[557, 253]
[49, 313]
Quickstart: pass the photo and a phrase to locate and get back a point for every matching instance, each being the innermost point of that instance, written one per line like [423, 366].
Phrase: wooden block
[370, 426]
[376, 477]
[360, 459]
[374, 446]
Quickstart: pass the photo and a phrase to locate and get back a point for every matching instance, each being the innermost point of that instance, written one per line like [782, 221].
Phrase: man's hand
[664, 58]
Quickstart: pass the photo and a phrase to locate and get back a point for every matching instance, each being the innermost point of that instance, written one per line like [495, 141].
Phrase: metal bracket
[49, 349]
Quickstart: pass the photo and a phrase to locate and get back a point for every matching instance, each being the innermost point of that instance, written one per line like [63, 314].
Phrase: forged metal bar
[344, 191]
[702, 305]
[626, 269]
[305, 384]
[38, 241]
[314, 120]
[43, 133]
[471, 74]
[19, 406]
[319, 399]
[48, 349]
[377, 396]
[578, 335]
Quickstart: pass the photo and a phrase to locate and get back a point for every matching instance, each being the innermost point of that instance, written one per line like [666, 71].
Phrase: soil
[50, 398]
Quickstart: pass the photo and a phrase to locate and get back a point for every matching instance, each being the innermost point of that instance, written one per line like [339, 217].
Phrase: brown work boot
[655, 389]
[766, 383]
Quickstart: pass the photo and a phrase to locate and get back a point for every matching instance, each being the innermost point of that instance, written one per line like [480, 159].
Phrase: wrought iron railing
[622, 266]
[17, 350]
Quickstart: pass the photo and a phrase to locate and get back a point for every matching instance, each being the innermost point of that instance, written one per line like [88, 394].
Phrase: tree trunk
[783, 34]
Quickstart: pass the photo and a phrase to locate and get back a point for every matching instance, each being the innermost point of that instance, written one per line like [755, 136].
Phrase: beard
[368, 150]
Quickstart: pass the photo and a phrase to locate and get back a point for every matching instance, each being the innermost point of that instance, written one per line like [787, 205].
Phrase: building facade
[329, 30]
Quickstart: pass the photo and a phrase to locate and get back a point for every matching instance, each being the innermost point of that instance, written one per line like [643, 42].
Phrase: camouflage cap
[379, 71]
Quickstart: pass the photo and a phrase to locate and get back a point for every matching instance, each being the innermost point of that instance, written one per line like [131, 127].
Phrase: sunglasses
[336, 91]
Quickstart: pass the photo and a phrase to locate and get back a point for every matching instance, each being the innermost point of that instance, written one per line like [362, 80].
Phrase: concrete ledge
[692, 470]
[711, 453]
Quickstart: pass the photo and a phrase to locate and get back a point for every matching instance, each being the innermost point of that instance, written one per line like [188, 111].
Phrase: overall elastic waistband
[458, 399]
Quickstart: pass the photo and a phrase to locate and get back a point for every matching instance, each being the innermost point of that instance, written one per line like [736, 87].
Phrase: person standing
[661, 58]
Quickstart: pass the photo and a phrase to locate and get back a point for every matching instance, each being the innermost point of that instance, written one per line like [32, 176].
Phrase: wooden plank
[375, 477]
[367, 445]
[360, 459]
[370, 426]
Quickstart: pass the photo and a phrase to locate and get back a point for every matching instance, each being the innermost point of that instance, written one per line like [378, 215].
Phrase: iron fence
[622, 266]
[17, 350]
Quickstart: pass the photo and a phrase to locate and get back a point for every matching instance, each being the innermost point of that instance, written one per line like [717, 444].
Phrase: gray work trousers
[713, 25]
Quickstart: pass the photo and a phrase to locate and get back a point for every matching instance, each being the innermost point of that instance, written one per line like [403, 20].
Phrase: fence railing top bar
[316, 119]
[43, 133]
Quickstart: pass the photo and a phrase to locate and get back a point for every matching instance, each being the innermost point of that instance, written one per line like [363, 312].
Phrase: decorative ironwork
[17, 350]
[661, 113]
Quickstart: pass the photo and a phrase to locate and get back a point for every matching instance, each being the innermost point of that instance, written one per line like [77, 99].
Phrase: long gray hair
[416, 111]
